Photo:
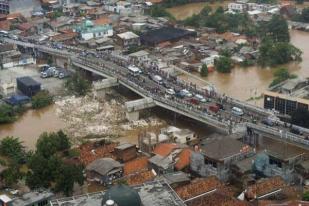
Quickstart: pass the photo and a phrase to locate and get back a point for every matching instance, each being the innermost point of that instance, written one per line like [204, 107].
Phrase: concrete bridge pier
[101, 87]
[134, 107]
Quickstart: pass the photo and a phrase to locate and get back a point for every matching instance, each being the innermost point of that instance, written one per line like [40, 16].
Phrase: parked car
[170, 91]
[48, 72]
[186, 93]
[237, 111]
[214, 108]
[63, 73]
[200, 98]
[295, 130]
[194, 101]
[268, 122]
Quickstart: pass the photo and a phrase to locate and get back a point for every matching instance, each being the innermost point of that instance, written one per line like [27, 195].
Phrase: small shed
[28, 86]
[125, 152]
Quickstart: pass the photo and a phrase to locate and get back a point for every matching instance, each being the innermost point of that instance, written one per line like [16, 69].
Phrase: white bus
[135, 71]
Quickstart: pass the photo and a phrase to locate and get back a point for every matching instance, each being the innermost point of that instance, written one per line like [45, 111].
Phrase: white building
[237, 7]
[210, 61]
[120, 7]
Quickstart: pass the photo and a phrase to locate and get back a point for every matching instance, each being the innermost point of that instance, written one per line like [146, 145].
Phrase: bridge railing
[187, 109]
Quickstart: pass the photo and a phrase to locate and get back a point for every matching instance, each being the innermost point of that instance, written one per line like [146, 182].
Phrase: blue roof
[17, 99]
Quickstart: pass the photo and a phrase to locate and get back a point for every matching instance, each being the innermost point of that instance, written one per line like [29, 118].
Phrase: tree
[277, 29]
[306, 196]
[299, 1]
[281, 75]
[305, 15]
[11, 175]
[69, 174]
[41, 99]
[204, 70]
[50, 143]
[300, 117]
[12, 148]
[223, 64]
[158, 11]
[7, 113]
[78, 85]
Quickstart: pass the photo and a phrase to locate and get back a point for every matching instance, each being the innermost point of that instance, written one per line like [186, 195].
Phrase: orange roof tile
[135, 165]
[102, 21]
[164, 149]
[184, 159]
[198, 187]
[265, 186]
[5, 25]
[25, 26]
[140, 178]
[217, 199]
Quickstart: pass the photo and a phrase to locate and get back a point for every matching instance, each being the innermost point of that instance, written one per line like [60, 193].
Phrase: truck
[158, 79]
[28, 86]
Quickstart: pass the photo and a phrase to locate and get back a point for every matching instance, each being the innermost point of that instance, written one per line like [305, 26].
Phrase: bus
[135, 71]
[105, 48]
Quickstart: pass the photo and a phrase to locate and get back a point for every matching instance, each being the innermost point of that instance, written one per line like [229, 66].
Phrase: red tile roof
[25, 26]
[136, 165]
[217, 199]
[5, 25]
[265, 186]
[290, 203]
[184, 159]
[198, 187]
[140, 178]
[89, 153]
[64, 36]
[164, 149]
[102, 21]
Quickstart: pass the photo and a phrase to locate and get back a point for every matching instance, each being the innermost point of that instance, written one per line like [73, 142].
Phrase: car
[237, 111]
[170, 91]
[296, 130]
[194, 101]
[268, 122]
[200, 98]
[186, 93]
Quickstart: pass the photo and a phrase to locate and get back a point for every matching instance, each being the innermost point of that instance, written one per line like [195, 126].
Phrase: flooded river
[31, 124]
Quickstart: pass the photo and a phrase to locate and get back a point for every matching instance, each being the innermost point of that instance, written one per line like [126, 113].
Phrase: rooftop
[136, 165]
[222, 148]
[127, 35]
[164, 149]
[103, 165]
[183, 159]
[140, 177]
[264, 187]
[198, 187]
[90, 152]
[32, 197]
[176, 177]
[124, 146]
[156, 193]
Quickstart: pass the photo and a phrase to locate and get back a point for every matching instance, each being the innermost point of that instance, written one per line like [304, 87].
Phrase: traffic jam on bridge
[218, 110]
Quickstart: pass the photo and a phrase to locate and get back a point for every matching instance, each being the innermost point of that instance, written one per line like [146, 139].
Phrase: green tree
[277, 29]
[281, 75]
[78, 85]
[11, 175]
[158, 11]
[206, 11]
[306, 196]
[7, 113]
[68, 174]
[204, 70]
[11, 147]
[41, 99]
[223, 64]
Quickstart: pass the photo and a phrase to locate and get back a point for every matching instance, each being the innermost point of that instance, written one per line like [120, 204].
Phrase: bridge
[113, 66]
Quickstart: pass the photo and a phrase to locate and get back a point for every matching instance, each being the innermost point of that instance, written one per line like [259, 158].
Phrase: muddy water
[31, 124]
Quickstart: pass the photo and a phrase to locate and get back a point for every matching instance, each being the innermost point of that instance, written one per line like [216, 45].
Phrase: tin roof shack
[5, 200]
[176, 179]
[128, 39]
[104, 170]
[125, 152]
[165, 34]
[149, 140]
[33, 199]
[28, 86]
[216, 157]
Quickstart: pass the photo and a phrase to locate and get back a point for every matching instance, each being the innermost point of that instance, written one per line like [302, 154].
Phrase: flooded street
[33, 123]
[23, 6]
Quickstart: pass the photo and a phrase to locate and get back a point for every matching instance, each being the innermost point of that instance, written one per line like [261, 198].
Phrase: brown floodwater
[31, 124]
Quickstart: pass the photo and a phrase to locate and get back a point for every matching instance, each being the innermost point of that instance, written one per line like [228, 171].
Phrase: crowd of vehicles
[47, 71]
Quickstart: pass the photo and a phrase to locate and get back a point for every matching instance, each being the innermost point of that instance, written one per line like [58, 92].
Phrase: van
[157, 79]
[237, 111]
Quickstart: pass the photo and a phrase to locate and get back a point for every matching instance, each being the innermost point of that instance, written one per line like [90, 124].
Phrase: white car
[170, 91]
[186, 93]
[200, 98]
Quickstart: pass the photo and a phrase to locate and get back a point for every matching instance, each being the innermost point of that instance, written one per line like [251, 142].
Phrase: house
[125, 152]
[210, 61]
[120, 7]
[104, 170]
[27, 29]
[5, 200]
[139, 56]
[88, 30]
[61, 23]
[237, 7]
[128, 39]
[71, 9]
[40, 198]
[4, 7]
[215, 157]
[176, 179]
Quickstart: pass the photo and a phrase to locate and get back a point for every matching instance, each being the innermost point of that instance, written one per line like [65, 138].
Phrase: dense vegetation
[9, 113]
[281, 75]
[303, 17]
[78, 85]
[41, 99]
[204, 70]
[223, 64]
[45, 168]
[222, 22]
[159, 11]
